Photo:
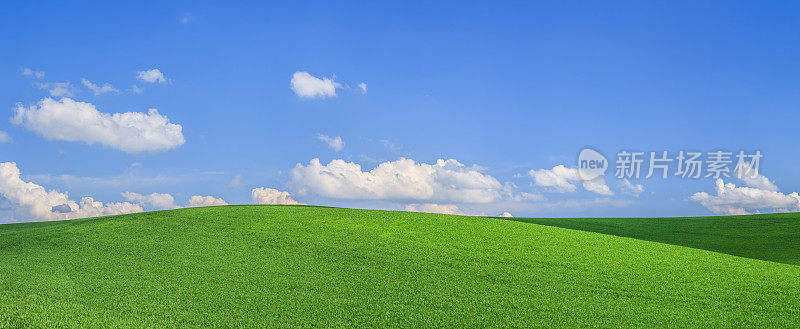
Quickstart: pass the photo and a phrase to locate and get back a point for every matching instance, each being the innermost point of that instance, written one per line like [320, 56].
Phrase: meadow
[774, 237]
[304, 266]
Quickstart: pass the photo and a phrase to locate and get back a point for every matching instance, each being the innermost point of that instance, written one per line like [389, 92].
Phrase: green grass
[296, 266]
[774, 237]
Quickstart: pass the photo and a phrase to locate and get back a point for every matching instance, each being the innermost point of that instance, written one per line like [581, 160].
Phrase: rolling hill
[774, 237]
[301, 266]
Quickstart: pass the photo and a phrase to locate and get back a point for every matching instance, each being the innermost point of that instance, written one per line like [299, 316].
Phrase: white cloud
[629, 187]
[506, 214]
[264, 195]
[561, 179]
[306, 85]
[335, 143]
[448, 209]
[363, 87]
[98, 90]
[164, 201]
[57, 89]
[446, 181]
[151, 76]
[597, 185]
[186, 18]
[733, 200]
[4, 138]
[156, 201]
[31, 73]
[205, 201]
[753, 179]
[136, 90]
[130, 132]
[33, 202]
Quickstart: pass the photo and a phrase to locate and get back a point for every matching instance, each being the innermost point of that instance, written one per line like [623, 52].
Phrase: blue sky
[503, 88]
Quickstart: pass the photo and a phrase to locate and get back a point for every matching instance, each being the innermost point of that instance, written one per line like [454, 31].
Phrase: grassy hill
[774, 237]
[257, 266]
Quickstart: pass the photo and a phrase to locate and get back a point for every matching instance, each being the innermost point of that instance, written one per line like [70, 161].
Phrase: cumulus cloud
[629, 187]
[448, 209]
[264, 195]
[363, 87]
[205, 201]
[33, 202]
[31, 73]
[156, 201]
[98, 90]
[4, 138]
[334, 143]
[753, 179]
[136, 90]
[597, 185]
[151, 76]
[446, 181]
[57, 89]
[306, 85]
[506, 214]
[561, 179]
[130, 132]
[164, 201]
[732, 200]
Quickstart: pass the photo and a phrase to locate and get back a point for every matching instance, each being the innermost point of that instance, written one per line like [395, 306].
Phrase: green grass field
[301, 266]
[774, 237]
